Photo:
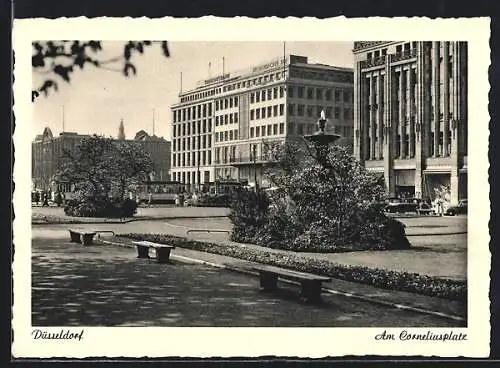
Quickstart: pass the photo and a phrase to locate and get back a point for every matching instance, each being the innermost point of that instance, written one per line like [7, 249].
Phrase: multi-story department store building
[222, 128]
[411, 115]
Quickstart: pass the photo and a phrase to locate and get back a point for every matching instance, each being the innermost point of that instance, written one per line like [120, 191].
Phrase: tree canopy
[102, 168]
[60, 59]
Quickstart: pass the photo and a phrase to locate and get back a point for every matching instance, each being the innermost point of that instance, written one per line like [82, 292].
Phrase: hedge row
[385, 279]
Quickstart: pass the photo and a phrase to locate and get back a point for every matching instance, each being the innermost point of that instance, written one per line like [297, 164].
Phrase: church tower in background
[121, 131]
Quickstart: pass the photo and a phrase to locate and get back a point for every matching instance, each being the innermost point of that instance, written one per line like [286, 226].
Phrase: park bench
[162, 250]
[310, 285]
[85, 237]
[206, 231]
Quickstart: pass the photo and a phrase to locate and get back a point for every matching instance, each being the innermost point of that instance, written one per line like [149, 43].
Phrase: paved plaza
[439, 244]
[107, 286]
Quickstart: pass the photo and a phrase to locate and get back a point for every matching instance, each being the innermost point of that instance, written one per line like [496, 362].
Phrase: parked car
[459, 209]
[425, 209]
[400, 205]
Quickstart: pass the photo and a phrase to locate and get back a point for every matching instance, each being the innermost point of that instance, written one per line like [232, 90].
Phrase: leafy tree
[60, 59]
[325, 204]
[102, 171]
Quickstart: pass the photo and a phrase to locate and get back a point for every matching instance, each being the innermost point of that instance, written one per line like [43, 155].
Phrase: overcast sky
[96, 100]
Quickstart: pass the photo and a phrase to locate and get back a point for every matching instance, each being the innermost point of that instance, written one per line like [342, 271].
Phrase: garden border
[381, 278]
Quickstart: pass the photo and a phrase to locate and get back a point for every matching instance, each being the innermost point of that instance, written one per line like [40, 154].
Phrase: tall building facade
[222, 129]
[47, 155]
[160, 151]
[411, 115]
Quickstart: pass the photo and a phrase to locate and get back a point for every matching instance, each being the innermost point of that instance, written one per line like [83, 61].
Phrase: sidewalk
[55, 215]
[424, 258]
[396, 299]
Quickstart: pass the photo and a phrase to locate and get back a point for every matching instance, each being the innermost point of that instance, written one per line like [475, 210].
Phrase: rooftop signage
[219, 78]
[270, 65]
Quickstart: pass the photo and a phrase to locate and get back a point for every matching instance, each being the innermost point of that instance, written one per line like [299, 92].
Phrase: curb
[438, 234]
[327, 290]
[73, 222]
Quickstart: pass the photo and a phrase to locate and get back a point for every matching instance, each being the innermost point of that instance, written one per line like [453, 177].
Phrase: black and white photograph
[303, 193]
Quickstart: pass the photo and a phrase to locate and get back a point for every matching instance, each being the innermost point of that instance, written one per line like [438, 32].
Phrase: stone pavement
[44, 215]
[439, 256]
[371, 293]
[102, 285]
[433, 255]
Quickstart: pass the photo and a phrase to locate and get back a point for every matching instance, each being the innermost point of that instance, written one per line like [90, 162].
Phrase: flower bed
[385, 279]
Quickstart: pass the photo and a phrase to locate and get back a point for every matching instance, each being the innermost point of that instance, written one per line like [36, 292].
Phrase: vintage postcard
[220, 187]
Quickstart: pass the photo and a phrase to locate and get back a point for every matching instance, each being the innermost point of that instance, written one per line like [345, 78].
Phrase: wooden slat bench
[310, 285]
[85, 237]
[162, 250]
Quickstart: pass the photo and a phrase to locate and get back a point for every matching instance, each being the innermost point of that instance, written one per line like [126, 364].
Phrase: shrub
[386, 279]
[214, 201]
[327, 204]
[248, 214]
[100, 207]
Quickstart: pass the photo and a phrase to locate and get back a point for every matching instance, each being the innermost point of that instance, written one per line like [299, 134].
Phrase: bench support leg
[310, 290]
[268, 281]
[87, 239]
[142, 252]
[162, 255]
[75, 237]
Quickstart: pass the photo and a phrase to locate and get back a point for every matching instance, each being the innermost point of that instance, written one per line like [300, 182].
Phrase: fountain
[322, 140]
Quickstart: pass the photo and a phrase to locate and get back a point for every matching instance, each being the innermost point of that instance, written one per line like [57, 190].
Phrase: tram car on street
[162, 192]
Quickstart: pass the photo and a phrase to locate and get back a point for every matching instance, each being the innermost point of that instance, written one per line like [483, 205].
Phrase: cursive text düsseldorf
[60, 335]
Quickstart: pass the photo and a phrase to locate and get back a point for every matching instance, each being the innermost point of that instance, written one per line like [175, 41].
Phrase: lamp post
[254, 155]
[198, 163]
[321, 140]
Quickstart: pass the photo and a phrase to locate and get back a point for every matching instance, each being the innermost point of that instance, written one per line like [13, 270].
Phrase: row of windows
[193, 112]
[226, 152]
[269, 111]
[226, 103]
[301, 110]
[399, 49]
[226, 119]
[199, 95]
[234, 86]
[305, 128]
[267, 130]
[185, 144]
[320, 93]
[254, 82]
[191, 159]
[190, 128]
[228, 135]
[267, 94]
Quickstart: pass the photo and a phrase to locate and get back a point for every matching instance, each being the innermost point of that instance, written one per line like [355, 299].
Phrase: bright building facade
[222, 129]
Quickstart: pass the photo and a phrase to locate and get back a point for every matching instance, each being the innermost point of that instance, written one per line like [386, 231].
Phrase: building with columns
[222, 129]
[410, 118]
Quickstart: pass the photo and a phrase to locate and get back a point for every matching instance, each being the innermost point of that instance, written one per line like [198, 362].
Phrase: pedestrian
[37, 197]
[150, 199]
[440, 207]
[58, 199]
[45, 199]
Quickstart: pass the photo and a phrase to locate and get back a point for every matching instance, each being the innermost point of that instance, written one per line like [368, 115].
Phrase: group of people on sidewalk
[43, 198]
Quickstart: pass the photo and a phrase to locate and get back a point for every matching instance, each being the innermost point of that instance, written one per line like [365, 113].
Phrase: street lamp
[321, 140]
[254, 154]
